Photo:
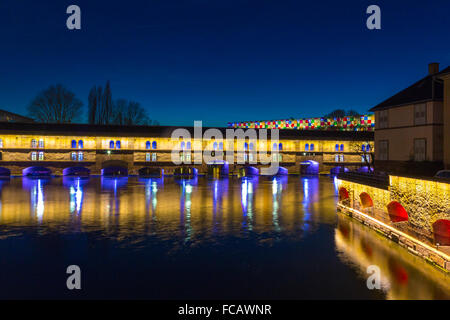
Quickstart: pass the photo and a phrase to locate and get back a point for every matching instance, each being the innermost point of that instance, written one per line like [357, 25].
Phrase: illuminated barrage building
[350, 123]
[73, 149]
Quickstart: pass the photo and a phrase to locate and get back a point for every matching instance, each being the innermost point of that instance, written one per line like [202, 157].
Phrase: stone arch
[4, 172]
[366, 200]
[397, 212]
[76, 171]
[343, 194]
[114, 168]
[441, 232]
[36, 172]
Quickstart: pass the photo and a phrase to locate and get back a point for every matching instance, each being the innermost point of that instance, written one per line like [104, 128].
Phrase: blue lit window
[342, 147]
[147, 145]
[220, 145]
[74, 144]
[154, 145]
[245, 146]
[182, 145]
[1, 143]
[118, 144]
[154, 157]
[111, 144]
[33, 143]
[274, 147]
[311, 148]
[363, 148]
[280, 147]
[251, 146]
[368, 148]
[73, 156]
[306, 147]
[215, 146]
[188, 145]
[147, 156]
[41, 143]
[80, 156]
[336, 147]
[80, 144]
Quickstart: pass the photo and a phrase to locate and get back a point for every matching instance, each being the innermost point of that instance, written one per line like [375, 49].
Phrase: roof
[163, 131]
[14, 115]
[429, 88]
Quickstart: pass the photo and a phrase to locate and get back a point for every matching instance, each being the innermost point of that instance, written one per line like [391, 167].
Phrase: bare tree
[56, 104]
[365, 150]
[129, 113]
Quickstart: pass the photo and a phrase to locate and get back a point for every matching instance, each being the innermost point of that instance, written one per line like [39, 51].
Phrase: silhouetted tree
[107, 105]
[340, 113]
[129, 113]
[56, 104]
[100, 109]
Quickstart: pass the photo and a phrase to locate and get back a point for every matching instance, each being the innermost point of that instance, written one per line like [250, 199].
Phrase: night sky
[220, 61]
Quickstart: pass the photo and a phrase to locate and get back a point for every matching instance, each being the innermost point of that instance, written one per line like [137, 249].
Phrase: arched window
[251, 146]
[342, 147]
[80, 156]
[274, 147]
[221, 146]
[245, 146]
[336, 158]
[188, 145]
[147, 146]
[1, 143]
[154, 156]
[41, 156]
[311, 147]
[363, 148]
[118, 144]
[73, 156]
[154, 145]
[182, 145]
[215, 146]
[80, 144]
[280, 147]
[111, 144]
[368, 148]
[147, 155]
[74, 144]
[306, 147]
[41, 143]
[33, 143]
[336, 147]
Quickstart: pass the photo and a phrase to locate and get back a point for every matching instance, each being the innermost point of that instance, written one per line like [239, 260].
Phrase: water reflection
[403, 275]
[277, 222]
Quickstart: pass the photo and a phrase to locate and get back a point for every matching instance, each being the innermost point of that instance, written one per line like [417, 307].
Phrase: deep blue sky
[220, 61]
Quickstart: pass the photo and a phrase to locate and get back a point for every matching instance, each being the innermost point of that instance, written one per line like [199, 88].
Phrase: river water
[249, 238]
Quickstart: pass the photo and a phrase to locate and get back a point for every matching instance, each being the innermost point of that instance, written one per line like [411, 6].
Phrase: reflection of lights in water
[185, 209]
[76, 197]
[39, 192]
[277, 188]
[336, 184]
[246, 200]
[151, 190]
[306, 199]
[305, 190]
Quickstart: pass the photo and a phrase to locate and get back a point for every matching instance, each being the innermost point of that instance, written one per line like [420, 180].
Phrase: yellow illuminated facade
[57, 149]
